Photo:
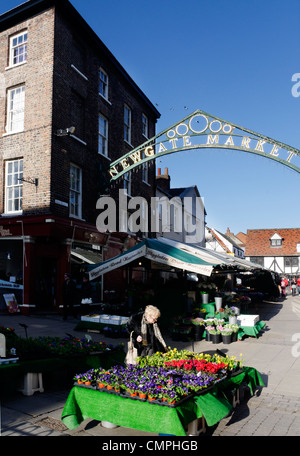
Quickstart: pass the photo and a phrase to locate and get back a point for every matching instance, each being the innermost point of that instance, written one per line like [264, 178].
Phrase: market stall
[208, 395]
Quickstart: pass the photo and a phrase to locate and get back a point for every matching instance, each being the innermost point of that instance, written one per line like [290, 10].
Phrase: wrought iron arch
[201, 130]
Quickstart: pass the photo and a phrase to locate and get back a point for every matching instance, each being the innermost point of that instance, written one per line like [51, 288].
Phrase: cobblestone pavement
[263, 414]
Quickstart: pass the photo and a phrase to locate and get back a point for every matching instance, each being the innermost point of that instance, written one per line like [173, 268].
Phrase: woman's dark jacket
[134, 324]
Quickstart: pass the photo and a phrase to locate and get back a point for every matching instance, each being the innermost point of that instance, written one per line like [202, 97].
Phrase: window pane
[75, 191]
[16, 105]
[103, 83]
[18, 51]
[14, 187]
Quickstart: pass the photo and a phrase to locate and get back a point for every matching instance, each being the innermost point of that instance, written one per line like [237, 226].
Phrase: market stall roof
[85, 256]
[158, 251]
[212, 256]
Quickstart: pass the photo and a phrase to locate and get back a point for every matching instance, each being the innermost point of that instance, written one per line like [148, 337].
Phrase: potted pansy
[79, 378]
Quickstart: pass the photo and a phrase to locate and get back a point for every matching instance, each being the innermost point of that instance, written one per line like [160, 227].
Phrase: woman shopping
[146, 335]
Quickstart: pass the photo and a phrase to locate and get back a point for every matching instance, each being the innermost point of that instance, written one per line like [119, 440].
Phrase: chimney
[163, 180]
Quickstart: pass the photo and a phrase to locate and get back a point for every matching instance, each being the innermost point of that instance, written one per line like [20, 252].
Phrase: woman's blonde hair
[152, 311]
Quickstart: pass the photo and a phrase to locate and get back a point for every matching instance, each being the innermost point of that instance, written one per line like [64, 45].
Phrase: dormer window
[276, 240]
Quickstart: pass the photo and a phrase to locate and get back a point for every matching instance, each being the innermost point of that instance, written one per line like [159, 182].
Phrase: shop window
[18, 49]
[15, 109]
[13, 186]
[75, 191]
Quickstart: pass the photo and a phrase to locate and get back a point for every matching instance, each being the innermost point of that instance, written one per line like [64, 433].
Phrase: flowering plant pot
[215, 338]
[226, 338]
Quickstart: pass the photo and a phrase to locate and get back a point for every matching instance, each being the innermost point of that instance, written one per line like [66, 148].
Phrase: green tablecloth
[251, 330]
[214, 405]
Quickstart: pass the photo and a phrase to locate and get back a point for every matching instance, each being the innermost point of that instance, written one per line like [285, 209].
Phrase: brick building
[68, 108]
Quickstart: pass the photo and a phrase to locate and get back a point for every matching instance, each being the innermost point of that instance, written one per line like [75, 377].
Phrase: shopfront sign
[4, 232]
[201, 130]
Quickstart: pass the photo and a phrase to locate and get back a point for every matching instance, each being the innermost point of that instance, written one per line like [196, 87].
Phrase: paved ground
[273, 411]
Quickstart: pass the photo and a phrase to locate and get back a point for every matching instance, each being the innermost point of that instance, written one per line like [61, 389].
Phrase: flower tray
[83, 385]
[127, 395]
[166, 404]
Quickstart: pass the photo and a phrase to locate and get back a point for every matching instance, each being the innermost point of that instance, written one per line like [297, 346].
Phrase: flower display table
[251, 330]
[214, 405]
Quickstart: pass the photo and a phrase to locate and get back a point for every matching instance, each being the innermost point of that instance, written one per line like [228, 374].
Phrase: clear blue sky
[234, 59]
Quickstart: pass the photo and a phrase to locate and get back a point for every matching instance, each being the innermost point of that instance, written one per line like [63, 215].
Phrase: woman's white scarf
[156, 330]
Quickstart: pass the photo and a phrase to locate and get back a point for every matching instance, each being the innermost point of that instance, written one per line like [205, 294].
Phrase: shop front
[36, 251]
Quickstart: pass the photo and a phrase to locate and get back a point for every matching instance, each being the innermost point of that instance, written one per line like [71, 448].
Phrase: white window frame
[75, 198]
[13, 186]
[145, 126]
[276, 242]
[15, 109]
[15, 58]
[103, 135]
[103, 83]
[127, 124]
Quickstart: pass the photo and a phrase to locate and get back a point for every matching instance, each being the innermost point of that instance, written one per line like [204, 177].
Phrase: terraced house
[68, 109]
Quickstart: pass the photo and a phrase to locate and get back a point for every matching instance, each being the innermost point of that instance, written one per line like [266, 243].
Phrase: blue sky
[233, 59]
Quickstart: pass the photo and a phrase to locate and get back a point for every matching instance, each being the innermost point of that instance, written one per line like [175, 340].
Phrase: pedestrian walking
[298, 285]
[294, 286]
[283, 286]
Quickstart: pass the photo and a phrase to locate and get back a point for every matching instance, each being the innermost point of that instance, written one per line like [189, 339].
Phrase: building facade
[180, 212]
[68, 109]
[276, 249]
[224, 243]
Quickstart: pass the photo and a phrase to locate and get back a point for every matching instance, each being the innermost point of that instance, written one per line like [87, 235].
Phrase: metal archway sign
[201, 130]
